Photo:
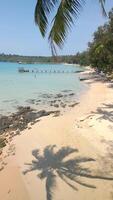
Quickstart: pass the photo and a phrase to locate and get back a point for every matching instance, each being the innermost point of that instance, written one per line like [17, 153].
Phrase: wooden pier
[36, 71]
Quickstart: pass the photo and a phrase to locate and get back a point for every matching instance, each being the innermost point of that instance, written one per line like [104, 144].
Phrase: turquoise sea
[17, 89]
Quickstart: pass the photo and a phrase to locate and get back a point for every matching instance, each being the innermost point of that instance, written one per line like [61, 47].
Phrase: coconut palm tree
[64, 12]
[53, 164]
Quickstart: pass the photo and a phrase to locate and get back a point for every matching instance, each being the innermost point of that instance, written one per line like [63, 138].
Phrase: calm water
[16, 88]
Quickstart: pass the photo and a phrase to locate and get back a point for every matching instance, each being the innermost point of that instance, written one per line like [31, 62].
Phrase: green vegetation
[101, 49]
[82, 58]
[78, 59]
[23, 59]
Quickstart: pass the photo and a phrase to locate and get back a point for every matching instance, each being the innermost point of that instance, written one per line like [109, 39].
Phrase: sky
[20, 35]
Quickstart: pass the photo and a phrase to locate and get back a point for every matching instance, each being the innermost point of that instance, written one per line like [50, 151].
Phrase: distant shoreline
[64, 59]
[41, 62]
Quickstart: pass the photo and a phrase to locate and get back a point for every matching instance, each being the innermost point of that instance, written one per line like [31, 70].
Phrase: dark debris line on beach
[15, 123]
[22, 118]
[24, 115]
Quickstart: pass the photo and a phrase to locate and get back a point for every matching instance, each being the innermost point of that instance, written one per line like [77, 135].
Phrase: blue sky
[19, 34]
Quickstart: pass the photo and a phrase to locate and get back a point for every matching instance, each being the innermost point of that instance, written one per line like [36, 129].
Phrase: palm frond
[102, 3]
[42, 10]
[68, 10]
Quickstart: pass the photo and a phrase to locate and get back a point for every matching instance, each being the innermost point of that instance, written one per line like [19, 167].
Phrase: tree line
[101, 49]
[79, 58]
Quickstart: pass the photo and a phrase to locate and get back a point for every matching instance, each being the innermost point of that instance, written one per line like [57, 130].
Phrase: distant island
[79, 58]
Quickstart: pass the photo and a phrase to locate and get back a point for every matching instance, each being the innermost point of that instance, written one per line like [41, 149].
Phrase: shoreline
[87, 127]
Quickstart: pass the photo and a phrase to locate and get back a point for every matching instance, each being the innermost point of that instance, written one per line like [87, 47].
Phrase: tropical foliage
[101, 49]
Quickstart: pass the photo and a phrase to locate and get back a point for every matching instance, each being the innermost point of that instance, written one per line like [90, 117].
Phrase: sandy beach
[69, 156]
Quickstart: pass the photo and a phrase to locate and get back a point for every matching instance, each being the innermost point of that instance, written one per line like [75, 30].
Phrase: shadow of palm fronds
[108, 105]
[53, 164]
[105, 112]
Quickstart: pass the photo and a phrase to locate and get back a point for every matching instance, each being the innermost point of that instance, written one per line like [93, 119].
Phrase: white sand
[79, 128]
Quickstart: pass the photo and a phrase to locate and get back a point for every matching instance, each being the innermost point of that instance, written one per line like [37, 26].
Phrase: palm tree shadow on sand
[55, 163]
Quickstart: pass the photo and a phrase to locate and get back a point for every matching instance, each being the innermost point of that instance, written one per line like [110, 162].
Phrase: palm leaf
[67, 11]
[102, 3]
[42, 10]
[64, 18]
